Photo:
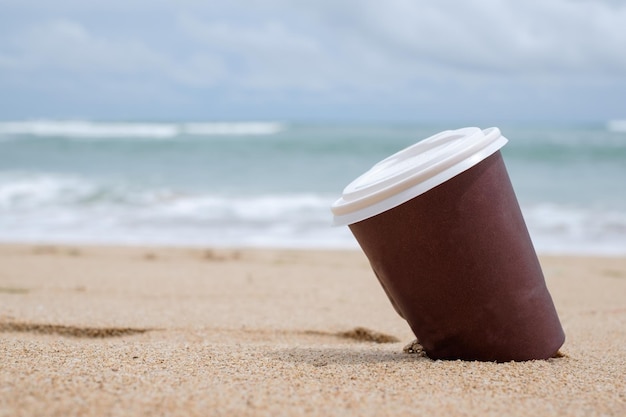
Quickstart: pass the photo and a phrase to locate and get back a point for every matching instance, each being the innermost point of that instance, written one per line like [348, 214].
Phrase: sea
[271, 184]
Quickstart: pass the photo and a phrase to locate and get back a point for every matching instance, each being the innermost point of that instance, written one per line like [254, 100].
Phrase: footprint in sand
[69, 331]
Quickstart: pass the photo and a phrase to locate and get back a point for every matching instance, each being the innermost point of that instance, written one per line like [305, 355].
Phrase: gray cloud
[495, 36]
[67, 45]
[402, 48]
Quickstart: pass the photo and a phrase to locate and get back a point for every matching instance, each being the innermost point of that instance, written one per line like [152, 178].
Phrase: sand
[97, 331]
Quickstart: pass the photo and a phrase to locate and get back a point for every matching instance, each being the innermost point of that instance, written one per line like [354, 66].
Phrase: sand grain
[268, 332]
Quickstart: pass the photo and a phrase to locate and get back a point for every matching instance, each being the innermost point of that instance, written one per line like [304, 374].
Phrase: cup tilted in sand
[444, 234]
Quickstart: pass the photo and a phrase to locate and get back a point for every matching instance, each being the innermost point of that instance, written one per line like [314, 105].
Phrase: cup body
[458, 264]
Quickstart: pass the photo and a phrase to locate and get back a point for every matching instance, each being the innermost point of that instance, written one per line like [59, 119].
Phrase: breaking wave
[79, 129]
[65, 208]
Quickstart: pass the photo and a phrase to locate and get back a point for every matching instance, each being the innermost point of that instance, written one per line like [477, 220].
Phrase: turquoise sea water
[271, 184]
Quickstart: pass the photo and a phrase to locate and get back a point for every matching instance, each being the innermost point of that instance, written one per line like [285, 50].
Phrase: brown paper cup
[456, 260]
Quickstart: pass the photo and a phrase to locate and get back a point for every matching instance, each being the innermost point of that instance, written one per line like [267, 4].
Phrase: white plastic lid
[413, 171]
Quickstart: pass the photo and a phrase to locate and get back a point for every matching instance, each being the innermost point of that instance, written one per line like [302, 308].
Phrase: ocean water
[272, 184]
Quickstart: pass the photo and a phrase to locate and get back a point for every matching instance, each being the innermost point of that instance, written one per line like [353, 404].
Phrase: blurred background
[238, 123]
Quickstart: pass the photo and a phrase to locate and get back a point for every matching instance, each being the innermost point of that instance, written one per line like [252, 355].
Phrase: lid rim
[440, 164]
[347, 211]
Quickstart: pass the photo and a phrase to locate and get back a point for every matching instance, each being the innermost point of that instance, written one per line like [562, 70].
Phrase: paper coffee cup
[444, 234]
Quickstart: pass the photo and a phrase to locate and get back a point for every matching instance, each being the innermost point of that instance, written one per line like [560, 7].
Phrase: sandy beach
[96, 331]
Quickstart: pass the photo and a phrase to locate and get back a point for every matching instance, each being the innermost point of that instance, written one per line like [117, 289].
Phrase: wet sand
[158, 331]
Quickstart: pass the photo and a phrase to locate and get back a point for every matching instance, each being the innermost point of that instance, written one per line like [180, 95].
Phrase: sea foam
[126, 130]
[617, 125]
[65, 208]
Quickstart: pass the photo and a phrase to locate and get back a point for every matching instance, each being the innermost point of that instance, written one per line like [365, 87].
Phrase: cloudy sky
[342, 60]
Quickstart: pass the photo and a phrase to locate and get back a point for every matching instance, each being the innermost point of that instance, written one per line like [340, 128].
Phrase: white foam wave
[247, 128]
[617, 125]
[28, 190]
[52, 207]
[35, 191]
[120, 130]
[562, 229]
[46, 207]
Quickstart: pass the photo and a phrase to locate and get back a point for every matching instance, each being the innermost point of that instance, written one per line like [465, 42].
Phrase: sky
[342, 60]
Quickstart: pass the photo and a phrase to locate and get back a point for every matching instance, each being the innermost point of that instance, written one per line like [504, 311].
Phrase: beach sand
[98, 331]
